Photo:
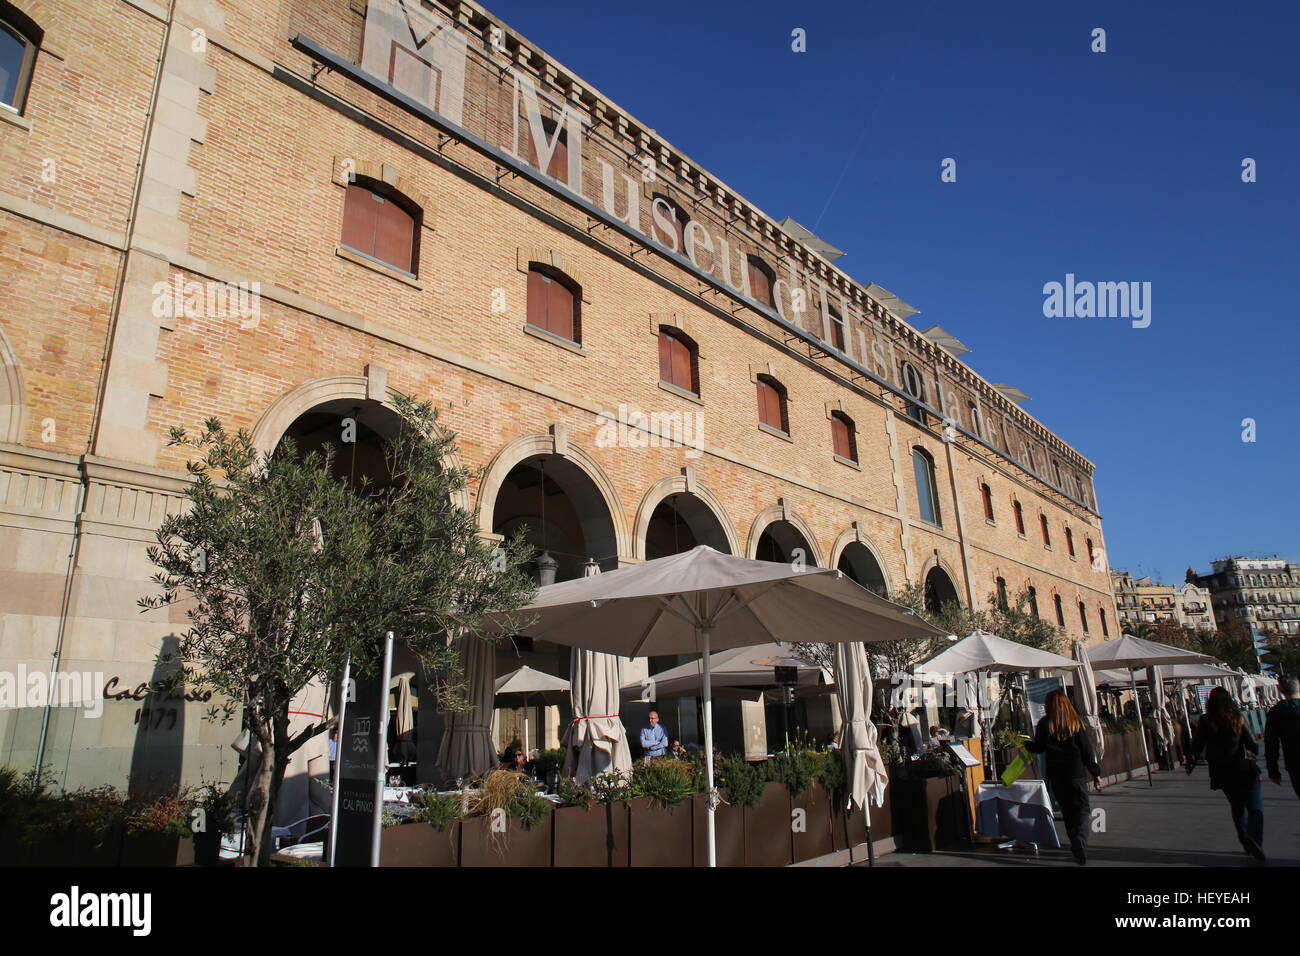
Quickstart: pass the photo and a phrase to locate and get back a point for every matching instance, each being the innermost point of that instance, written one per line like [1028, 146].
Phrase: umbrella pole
[710, 795]
[1142, 728]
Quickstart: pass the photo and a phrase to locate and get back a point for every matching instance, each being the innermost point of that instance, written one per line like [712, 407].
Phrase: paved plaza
[1179, 821]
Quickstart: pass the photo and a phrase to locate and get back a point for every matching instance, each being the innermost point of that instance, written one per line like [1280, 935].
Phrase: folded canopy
[734, 667]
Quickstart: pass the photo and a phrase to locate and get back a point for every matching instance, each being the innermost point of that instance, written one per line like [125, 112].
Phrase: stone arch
[672, 485]
[11, 395]
[286, 409]
[771, 516]
[938, 575]
[852, 536]
[530, 446]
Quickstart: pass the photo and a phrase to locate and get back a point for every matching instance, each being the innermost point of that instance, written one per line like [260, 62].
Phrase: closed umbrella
[467, 749]
[596, 740]
[701, 601]
[1162, 728]
[867, 777]
[1132, 652]
[734, 667]
[1086, 697]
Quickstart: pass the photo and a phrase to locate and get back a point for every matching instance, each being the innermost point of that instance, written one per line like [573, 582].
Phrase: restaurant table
[1021, 811]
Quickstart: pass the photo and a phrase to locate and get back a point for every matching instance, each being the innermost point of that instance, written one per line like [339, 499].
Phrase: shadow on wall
[157, 757]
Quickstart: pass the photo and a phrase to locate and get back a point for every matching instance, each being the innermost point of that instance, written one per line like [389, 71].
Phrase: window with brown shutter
[1047, 535]
[558, 168]
[1020, 518]
[1060, 610]
[988, 501]
[678, 361]
[1069, 541]
[554, 303]
[379, 227]
[761, 280]
[771, 404]
[843, 437]
[679, 220]
[837, 328]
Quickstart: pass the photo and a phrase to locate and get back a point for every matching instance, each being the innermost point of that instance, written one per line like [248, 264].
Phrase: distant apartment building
[1139, 599]
[1262, 592]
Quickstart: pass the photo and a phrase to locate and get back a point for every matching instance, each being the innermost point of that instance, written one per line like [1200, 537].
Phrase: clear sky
[1117, 166]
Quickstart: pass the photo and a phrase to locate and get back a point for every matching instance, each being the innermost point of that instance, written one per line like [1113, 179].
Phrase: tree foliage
[286, 571]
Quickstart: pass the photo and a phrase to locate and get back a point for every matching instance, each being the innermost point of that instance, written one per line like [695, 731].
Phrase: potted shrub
[158, 831]
[429, 837]
[591, 827]
[506, 826]
[660, 829]
[75, 828]
[217, 806]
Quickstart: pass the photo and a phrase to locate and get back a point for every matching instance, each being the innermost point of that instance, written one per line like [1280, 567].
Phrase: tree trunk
[260, 798]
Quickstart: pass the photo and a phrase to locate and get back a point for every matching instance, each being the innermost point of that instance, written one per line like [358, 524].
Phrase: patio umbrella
[988, 653]
[523, 683]
[467, 748]
[1132, 652]
[596, 740]
[701, 601]
[1162, 728]
[867, 776]
[734, 667]
[1086, 697]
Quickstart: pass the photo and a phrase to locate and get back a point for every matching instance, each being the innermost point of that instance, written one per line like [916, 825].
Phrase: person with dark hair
[1282, 732]
[517, 760]
[1221, 735]
[1062, 736]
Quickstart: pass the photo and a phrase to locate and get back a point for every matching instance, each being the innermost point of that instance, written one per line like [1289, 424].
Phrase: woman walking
[1061, 735]
[1222, 735]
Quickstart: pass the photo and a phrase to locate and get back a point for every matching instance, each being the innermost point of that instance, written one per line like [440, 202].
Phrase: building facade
[1261, 592]
[1140, 600]
[275, 211]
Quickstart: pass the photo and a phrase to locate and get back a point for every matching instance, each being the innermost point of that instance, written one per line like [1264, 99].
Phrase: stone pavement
[1178, 822]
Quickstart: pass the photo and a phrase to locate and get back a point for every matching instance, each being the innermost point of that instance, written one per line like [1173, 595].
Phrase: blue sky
[1115, 166]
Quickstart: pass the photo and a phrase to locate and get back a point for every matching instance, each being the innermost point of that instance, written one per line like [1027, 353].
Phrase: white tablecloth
[1022, 811]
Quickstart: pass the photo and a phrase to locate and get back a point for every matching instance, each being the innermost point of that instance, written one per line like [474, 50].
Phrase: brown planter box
[659, 836]
[516, 847]
[934, 813]
[768, 840]
[420, 844]
[815, 841]
[595, 837]
[156, 849]
[729, 821]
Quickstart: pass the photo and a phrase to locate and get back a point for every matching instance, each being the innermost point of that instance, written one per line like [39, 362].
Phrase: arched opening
[567, 520]
[858, 562]
[680, 522]
[356, 431]
[782, 541]
[939, 590]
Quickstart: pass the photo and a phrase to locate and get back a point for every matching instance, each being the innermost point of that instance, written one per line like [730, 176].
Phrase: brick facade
[244, 161]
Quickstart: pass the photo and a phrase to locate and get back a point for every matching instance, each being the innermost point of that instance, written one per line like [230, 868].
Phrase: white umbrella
[867, 776]
[701, 601]
[467, 748]
[734, 667]
[596, 741]
[524, 682]
[1163, 730]
[1086, 694]
[1133, 652]
[982, 651]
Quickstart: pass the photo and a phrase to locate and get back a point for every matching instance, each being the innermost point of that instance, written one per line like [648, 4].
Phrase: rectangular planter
[156, 849]
[420, 844]
[729, 821]
[933, 811]
[813, 838]
[660, 836]
[479, 846]
[595, 837]
[768, 840]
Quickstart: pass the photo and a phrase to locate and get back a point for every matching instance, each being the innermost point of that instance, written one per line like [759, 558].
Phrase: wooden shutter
[1069, 541]
[988, 501]
[1020, 518]
[769, 405]
[1047, 538]
[559, 309]
[559, 167]
[837, 330]
[360, 219]
[681, 364]
[759, 284]
[536, 299]
[394, 235]
[840, 436]
[666, 357]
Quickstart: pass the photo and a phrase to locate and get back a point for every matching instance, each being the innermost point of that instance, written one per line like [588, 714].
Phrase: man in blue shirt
[654, 739]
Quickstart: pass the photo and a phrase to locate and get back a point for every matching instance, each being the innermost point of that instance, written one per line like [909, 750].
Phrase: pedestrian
[1283, 728]
[654, 739]
[1222, 736]
[1062, 736]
